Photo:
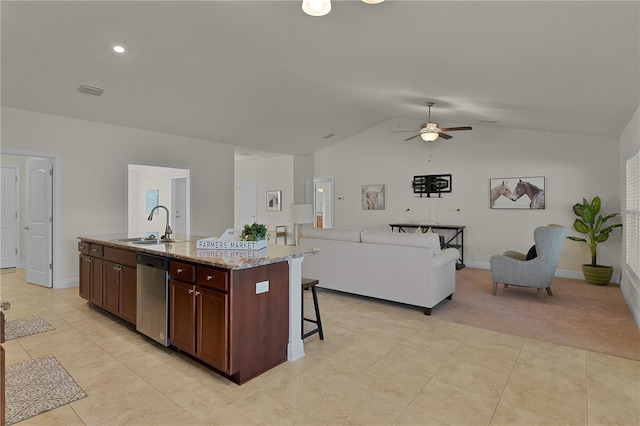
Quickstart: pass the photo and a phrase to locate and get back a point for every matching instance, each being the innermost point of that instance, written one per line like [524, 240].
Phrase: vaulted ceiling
[264, 75]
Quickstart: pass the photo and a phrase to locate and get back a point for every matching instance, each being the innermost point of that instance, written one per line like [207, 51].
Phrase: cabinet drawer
[182, 271]
[123, 257]
[83, 247]
[214, 278]
[96, 250]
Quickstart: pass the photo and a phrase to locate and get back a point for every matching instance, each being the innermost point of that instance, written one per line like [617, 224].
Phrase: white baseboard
[68, 282]
[561, 273]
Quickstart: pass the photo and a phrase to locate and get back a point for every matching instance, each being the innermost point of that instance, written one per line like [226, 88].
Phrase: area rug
[14, 329]
[580, 315]
[36, 386]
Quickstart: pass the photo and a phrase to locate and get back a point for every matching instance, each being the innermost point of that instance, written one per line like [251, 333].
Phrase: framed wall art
[274, 201]
[372, 197]
[517, 193]
[150, 200]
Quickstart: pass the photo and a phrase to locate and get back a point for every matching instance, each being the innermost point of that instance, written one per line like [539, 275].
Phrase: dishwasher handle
[155, 262]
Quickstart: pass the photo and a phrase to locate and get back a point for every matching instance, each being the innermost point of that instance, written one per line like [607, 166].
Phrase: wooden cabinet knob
[209, 277]
[178, 271]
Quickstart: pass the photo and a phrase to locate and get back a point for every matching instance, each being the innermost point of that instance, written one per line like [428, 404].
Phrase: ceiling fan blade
[404, 131]
[444, 135]
[412, 137]
[449, 129]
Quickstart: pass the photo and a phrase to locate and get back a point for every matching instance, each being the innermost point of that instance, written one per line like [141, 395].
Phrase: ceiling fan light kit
[430, 131]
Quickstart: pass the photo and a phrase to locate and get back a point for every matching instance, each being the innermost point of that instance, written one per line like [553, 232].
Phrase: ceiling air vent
[90, 90]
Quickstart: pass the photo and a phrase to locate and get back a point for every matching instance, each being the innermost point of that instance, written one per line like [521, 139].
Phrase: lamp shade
[429, 136]
[316, 7]
[301, 213]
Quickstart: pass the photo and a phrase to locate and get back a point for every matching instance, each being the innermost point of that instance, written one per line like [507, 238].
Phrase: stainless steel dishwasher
[152, 310]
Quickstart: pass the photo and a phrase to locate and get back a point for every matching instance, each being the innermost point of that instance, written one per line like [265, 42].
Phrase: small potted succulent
[587, 223]
[254, 232]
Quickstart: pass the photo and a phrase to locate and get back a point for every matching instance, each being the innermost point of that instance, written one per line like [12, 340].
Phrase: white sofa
[404, 268]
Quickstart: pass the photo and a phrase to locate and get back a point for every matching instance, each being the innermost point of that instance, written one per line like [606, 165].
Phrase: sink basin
[129, 240]
[156, 242]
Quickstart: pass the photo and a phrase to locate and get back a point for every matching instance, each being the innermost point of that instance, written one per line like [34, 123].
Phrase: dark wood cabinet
[127, 293]
[212, 326]
[2, 371]
[95, 283]
[85, 276]
[182, 313]
[198, 313]
[111, 291]
[234, 320]
[108, 279]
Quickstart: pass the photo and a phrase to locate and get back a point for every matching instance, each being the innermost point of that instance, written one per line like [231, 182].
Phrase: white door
[179, 205]
[39, 222]
[246, 202]
[9, 217]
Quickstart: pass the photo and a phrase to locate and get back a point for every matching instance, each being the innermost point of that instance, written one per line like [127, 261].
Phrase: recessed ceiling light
[488, 121]
[118, 49]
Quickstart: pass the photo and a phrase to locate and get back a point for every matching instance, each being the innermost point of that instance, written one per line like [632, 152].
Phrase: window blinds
[632, 213]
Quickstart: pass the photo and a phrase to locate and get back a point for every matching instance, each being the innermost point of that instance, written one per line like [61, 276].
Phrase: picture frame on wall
[517, 193]
[274, 201]
[372, 197]
[151, 200]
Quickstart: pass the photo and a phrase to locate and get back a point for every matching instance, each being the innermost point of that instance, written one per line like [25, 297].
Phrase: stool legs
[317, 321]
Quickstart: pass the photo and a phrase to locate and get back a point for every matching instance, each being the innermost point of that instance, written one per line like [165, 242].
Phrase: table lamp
[300, 214]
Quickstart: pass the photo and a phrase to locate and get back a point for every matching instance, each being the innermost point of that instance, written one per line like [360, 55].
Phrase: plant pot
[597, 275]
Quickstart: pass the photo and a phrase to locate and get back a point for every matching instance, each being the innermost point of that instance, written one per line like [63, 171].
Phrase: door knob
[26, 227]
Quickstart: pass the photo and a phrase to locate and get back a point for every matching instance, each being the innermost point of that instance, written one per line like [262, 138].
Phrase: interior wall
[567, 162]
[629, 143]
[93, 173]
[270, 174]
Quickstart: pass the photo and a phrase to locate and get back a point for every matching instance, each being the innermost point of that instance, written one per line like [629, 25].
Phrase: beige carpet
[36, 386]
[579, 314]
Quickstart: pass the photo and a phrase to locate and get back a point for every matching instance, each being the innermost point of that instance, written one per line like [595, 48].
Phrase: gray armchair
[538, 273]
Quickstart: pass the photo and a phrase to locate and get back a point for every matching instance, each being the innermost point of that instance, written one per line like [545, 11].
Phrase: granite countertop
[185, 249]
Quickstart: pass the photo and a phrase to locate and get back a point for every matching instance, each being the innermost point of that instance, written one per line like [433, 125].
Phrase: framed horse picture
[517, 193]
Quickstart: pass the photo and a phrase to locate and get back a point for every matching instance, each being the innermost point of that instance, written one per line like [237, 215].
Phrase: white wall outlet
[262, 287]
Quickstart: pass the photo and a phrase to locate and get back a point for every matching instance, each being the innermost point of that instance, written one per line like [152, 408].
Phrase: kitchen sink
[157, 241]
[129, 240]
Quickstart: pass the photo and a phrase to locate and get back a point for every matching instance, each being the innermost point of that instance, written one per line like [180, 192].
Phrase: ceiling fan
[430, 131]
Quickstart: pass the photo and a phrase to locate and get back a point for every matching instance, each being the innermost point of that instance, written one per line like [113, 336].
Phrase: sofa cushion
[428, 240]
[352, 235]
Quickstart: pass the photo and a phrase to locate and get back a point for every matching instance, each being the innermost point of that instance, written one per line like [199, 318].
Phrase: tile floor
[380, 364]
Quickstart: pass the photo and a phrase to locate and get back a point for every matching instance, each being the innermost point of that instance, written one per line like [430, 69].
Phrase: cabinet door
[127, 291]
[85, 276]
[96, 282]
[212, 346]
[110, 285]
[182, 314]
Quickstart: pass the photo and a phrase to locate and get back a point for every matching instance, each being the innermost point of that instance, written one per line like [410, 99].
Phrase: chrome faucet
[167, 228]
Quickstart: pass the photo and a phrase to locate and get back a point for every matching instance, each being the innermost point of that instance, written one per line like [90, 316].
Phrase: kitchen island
[237, 311]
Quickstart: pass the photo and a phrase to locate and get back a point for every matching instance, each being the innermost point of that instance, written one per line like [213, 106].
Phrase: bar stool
[311, 283]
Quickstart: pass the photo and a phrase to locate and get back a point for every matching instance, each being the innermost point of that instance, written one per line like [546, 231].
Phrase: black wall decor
[431, 184]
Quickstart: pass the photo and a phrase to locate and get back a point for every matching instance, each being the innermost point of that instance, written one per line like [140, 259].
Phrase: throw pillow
[532, 253]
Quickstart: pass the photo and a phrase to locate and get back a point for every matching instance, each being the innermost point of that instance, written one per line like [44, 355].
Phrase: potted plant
[587, 223]
[254, 232]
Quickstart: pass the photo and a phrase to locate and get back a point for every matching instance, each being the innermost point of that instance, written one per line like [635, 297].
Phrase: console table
[455, 241]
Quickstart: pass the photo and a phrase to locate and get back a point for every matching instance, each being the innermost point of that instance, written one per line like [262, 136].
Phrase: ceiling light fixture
[316, 7]
[372, 1]
[118, 49]
[430, 131]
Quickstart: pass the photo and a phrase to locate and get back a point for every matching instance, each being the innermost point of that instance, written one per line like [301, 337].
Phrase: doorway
[170, 187]
[323, 202]
[36, 214]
